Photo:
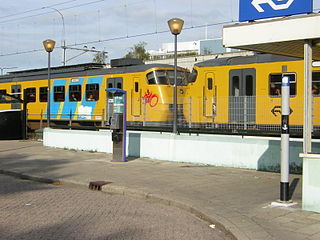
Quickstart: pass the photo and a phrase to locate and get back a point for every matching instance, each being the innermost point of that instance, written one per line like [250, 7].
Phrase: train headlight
[181, 91]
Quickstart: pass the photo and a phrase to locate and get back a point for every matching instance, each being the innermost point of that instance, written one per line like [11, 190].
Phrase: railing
[215, 114]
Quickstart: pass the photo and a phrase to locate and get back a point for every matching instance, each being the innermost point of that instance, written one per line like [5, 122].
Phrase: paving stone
[235, 196]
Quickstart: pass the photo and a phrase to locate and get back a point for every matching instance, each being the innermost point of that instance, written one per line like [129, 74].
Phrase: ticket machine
[117, 105]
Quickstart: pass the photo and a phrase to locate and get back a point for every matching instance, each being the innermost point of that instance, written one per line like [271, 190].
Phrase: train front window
[193, 76]
[166, 77]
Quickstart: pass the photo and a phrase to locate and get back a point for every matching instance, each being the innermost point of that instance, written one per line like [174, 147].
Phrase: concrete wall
[97, 141]
[311, 182]
[261, 153]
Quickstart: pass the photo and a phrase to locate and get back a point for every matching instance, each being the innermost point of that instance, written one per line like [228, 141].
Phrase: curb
[135, 193]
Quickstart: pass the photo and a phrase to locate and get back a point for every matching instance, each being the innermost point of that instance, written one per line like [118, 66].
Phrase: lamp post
[175, 25]
[63, 41]
[49, 46]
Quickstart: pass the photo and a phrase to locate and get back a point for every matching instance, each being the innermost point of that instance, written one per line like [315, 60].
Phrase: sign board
[259, 9]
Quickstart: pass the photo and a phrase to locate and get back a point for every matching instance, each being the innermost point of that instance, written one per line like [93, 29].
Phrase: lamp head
[49, 45]
[175, 25]
[316, 43]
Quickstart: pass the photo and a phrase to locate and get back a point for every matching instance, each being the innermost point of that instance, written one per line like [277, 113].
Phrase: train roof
[241, 60]
[80, 70]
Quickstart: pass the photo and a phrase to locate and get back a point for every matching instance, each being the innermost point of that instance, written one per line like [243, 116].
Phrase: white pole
[285, 112]
[307, 126]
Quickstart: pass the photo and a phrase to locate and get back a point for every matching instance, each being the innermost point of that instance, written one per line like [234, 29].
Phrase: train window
[166, 77]
[59, 93]
[152, 79]
[30, 94]
[3, 93]
[75, 93]
[43, 94]
[115, 82]
[92, 92]
[316, 83]
[235, 86]
[275, 82]
[249, 85]
[193, 76]
[210, 83]
[16, 91]
[136, 86]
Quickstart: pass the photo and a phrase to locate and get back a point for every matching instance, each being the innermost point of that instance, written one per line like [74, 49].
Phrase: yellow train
[233, 94]
[78, 92]
[244, 93]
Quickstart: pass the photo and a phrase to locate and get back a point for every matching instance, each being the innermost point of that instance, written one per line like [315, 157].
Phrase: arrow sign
[259, 9]
[285, 127]
[274, 6]
[277, 109]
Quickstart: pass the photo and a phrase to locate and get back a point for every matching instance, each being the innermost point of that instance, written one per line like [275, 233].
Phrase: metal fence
[215, 114]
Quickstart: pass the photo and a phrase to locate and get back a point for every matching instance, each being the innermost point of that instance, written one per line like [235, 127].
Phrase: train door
[16, 91]
[208, 95]
[242, 100]
[136, 97]
[115, 83]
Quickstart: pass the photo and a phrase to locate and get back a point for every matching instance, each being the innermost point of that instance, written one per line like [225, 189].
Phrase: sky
[110, 25]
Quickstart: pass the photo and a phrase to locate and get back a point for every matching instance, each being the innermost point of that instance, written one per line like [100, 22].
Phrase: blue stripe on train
[55, 106]
[88, 107]
[85, 108]
[70, 107]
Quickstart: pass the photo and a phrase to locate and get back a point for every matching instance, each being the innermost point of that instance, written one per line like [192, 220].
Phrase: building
[192, 52]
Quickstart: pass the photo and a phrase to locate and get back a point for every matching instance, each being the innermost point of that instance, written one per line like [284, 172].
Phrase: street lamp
[63, 41]
[175, 25]
[49, 46]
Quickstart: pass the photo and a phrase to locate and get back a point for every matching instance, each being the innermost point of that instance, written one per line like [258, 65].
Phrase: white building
[200, 47]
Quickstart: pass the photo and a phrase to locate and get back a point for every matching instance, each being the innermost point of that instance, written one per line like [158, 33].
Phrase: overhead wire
[122, 37]
[118, 37]
[36, 9]
[44, 13]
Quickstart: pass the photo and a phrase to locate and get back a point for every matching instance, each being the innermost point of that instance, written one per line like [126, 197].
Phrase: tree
[138, 51]
[100, 57]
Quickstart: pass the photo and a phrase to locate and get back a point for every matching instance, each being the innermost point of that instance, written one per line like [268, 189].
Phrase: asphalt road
[32, 210]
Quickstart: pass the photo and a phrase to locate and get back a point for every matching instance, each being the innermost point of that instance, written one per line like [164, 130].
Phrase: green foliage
[138, 51]
[100, 57]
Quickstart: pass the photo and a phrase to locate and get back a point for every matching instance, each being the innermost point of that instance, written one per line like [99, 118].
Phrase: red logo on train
[151, 98]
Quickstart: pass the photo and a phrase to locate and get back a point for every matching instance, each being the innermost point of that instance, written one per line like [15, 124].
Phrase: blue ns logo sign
[258, 9]
[274, 4]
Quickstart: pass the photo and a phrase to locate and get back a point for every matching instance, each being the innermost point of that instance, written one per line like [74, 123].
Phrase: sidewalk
[237, 199]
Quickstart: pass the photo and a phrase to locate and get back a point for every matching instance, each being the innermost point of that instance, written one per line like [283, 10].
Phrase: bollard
[285, 134]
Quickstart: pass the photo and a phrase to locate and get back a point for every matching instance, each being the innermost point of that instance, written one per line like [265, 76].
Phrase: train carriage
[244, 93]
[78, 93]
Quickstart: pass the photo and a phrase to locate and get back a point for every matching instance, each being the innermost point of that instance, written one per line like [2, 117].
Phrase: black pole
[24, 130]
[175, 107]
[48, 96]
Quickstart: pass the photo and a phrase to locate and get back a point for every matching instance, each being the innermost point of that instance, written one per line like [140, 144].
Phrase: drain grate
[97, 185]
